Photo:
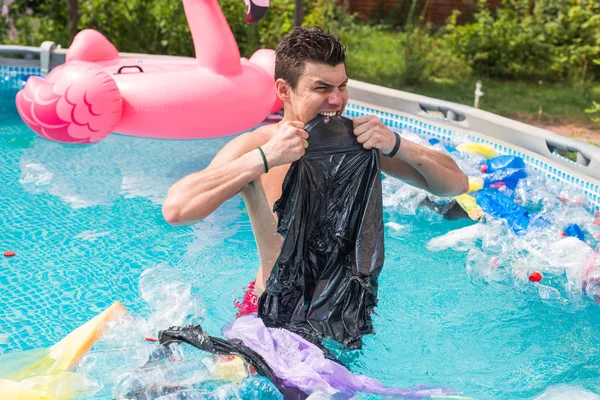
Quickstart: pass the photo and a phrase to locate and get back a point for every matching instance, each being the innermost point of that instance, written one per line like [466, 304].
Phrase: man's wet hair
[304, 44]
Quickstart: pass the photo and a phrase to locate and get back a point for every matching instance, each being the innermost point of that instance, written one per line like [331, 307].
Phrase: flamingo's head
[256, 10]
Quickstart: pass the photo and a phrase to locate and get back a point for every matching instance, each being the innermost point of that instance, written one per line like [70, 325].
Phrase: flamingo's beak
[256, 10]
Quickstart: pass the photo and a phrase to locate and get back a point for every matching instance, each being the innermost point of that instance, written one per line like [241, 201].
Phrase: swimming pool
[85, 221]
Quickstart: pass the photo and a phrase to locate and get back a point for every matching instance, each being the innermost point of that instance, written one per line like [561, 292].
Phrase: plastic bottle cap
[483, 169]
[535, 277]
[9, 254]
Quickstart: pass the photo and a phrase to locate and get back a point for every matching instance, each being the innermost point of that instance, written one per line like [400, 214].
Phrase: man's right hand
[287, 145]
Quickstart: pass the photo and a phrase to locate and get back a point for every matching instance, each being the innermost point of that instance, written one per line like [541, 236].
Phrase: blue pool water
[85, 221]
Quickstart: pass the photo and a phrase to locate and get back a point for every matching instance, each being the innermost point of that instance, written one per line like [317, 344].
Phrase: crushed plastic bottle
[400, 197]
[189, 394]
[572, 196]
[549, 293]
[107, 365]
[503, 163]
[483, 268]
[462, 239]
[535, 233]
[173, 300]
[591, 282]
[128, 331]
[149, 382]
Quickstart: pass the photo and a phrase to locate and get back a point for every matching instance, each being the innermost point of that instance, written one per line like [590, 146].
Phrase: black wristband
[396, 147]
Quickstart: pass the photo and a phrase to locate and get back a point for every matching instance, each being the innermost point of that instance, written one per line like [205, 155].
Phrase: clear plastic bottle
[106, 365]
[150, 382]
[173, 300]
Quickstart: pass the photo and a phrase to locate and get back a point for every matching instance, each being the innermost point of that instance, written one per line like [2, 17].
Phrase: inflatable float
[97, 92]
[44, 373]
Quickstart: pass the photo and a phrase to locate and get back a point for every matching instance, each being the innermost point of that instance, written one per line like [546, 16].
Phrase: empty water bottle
[173, 300]
[150, 382]
[106, 365]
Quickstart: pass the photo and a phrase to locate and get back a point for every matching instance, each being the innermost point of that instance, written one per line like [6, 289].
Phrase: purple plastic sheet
[301, 364]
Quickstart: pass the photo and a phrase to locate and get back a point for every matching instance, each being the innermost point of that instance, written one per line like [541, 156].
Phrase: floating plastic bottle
[504, 207]
[458, 239]
[508, 178]
[171, 297]
[150, 382]
[107, 365]
[504, 162]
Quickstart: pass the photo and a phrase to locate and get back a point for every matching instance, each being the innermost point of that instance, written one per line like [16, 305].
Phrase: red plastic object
[535, 277]
[9, 254]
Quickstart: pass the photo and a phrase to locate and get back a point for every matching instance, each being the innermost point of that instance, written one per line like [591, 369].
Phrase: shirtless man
[310, 74]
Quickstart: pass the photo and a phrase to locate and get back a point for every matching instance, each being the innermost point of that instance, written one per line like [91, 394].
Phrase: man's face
[321, 90]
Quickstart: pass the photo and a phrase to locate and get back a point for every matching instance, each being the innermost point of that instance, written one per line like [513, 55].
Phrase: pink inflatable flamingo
[96, 92]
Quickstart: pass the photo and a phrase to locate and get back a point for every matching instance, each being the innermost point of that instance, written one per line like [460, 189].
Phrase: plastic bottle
[504, 162]
[483, 268]
[508, 178]
[106, 365]
[501, 206]
[150, 382]
[188, 394]
[458, 239]
[173, 300]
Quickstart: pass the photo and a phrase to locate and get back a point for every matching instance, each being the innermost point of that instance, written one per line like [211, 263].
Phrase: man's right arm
[197, 195]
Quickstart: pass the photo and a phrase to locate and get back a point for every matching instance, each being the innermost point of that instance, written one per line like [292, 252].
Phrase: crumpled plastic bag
[324, 283]
[299, 363]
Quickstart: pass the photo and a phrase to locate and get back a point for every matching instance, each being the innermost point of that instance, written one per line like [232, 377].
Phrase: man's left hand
[373, 134]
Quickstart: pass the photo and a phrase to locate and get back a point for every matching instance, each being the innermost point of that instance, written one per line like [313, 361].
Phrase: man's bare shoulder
[243, 144]
[257, 137]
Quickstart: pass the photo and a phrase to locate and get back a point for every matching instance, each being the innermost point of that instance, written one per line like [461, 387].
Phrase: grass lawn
[377, 56]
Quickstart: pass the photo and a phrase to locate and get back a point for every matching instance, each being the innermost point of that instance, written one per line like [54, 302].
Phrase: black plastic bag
[195, 336]
[324, 283]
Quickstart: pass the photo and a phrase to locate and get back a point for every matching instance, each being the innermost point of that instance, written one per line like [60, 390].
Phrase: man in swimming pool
[310, 74]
